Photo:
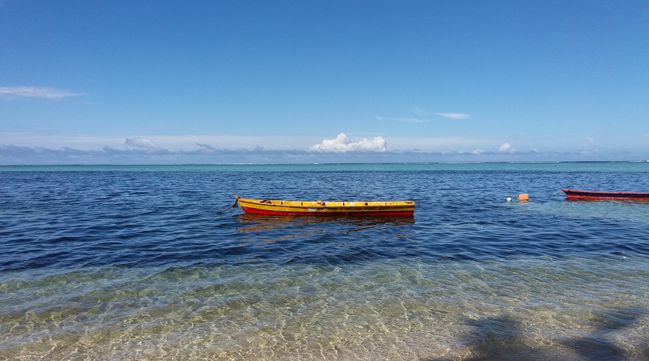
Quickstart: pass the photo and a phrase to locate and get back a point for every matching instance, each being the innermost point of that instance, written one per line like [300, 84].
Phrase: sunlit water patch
[371, 310]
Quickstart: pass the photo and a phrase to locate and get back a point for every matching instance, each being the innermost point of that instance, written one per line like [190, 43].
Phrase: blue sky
[471, 80]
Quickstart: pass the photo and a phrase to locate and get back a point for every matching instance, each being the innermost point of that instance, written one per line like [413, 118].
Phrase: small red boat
[580, 195]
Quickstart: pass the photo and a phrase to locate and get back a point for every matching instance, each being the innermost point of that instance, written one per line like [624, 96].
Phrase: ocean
[151, 262]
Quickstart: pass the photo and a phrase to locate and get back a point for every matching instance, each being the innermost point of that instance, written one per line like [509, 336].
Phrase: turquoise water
[150, 262]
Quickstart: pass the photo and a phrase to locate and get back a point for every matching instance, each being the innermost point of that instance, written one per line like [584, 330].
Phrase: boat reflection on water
[263, 223]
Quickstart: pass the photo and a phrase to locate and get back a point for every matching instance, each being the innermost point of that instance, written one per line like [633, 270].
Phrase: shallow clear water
[150, 262]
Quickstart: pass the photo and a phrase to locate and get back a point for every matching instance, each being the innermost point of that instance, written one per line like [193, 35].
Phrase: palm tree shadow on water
[599, 345]
[501, 338]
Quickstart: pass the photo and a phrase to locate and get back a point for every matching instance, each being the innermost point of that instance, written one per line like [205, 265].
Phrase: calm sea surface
[150, 262]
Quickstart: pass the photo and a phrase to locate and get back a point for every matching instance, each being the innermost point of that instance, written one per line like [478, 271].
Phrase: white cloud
[506, 148]
[142, 143]
[404, 120]
[477, 152]
[454, 116]
[420, 116]
[12, 92]
[342, 144]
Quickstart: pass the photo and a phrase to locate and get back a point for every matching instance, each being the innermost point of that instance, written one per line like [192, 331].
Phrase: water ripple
[155, 264]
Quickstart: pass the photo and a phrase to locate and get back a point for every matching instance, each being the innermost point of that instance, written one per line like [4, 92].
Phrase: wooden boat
[327, 208]
[581, 195]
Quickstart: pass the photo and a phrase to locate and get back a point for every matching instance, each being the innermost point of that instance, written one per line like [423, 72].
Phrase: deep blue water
[141, 222]
[131, 218]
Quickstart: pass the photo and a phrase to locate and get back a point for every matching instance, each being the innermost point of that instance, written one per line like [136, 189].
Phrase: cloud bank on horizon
[206, 149]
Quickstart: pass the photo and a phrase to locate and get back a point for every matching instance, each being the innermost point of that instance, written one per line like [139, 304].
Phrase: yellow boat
[327, 208]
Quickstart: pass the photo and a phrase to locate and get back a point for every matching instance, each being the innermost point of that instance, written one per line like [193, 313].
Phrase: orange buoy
[523, 197]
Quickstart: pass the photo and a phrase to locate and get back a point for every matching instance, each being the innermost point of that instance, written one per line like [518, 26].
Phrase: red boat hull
[330, 214]
[580, 195]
